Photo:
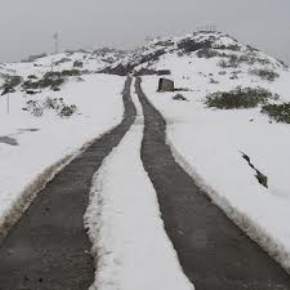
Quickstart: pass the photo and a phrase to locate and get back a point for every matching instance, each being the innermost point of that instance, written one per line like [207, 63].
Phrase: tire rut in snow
[48, 249]
[214, 253]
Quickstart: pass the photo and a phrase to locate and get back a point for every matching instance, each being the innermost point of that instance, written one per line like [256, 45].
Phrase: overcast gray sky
[27, 26]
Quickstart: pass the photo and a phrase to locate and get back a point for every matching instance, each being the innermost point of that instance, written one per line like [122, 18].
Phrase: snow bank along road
[214, 253]
[49, 249]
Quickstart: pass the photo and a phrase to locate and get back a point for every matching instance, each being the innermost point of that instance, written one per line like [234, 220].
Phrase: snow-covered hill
[217, 48]
[211, 59]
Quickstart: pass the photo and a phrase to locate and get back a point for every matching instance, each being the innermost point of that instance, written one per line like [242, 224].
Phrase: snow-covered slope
[34, 146]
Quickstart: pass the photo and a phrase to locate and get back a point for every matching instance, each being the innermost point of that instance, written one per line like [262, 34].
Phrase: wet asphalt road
[214, 253]
[49, 249]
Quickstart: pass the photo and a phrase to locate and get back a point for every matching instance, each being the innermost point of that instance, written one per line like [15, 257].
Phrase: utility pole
[8, 103]
[207, 27]
[56, 42]
[6, 91]
[56, 48]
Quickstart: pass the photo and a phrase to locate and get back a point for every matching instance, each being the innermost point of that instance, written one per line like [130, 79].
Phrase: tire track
[214, 253]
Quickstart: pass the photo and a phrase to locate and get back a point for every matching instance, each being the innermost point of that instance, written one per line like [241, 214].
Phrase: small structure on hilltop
[166, 85]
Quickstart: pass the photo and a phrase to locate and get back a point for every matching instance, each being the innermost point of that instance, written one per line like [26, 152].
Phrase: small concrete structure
[166, 85]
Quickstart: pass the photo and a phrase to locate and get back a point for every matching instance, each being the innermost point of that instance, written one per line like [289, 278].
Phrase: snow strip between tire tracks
[130, 246]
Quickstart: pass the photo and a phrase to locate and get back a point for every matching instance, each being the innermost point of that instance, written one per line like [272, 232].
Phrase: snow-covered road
[151, 226]
[131, 247]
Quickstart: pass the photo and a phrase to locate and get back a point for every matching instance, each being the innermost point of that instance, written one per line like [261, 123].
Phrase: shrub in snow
[152, 56]
[165, 43]
[79, 79]
[63, 60]
[207, 53]
[232, 61]
[78, 63]
[163, 72]
[251, 48]
[50, 79]
[222, 73]
[234, 47]
[67, 110]
[70, 73]
[31, 92]
[32, 77]
[30, 85]
[235, 75]
[38, 107]
[251, 58]
[179, 97]
[238, 98]
[148, 71]
[279, 112]
[120, 69]
[213, 81]
[265, 74]
[284, 65]
[217, 52]
[35, 108]
[53, 104]
[11, 82]
[61, 108]
[188, 45]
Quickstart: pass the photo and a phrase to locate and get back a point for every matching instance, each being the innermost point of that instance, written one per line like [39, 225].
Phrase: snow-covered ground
[129, 240]
[208, 143]
[29, 145]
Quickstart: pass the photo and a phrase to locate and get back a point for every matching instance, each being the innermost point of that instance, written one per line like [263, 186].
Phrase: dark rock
[165, 85]
[8, 140]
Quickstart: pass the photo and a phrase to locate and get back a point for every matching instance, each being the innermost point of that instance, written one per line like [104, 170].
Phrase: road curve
[214, 253]
[49, 249]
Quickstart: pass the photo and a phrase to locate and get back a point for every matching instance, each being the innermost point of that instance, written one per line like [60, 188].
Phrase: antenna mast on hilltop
[208, 27]
[56, 42]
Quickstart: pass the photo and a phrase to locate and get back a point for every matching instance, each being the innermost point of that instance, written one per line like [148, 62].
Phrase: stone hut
[165, 85]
